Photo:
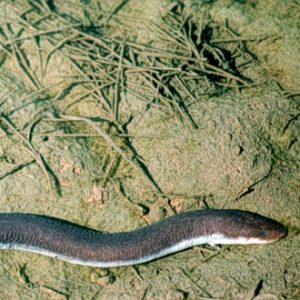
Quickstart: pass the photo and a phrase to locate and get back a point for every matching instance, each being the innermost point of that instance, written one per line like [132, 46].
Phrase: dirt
[238, 149]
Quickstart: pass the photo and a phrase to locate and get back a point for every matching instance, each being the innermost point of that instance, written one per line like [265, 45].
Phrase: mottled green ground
[244, 154]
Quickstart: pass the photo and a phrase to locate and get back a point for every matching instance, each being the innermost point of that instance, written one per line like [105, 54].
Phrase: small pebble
[177, 295]
[102, 277]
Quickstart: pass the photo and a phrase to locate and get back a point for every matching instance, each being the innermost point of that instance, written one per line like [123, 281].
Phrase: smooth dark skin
[72, 240]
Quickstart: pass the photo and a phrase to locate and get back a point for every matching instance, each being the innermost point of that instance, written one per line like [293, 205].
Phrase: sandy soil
[243, 154]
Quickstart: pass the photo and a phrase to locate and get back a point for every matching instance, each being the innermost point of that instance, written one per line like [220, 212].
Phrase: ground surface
[115, 114]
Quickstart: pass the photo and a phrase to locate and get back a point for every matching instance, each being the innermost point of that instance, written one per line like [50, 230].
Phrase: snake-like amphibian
[80, 245]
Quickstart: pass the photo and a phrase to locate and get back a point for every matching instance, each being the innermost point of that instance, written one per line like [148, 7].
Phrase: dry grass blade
[16, 168]
[40, 34]
[85, 95]
[34, 153]
[32, 96]
[59, 45]
[22, 61]
[116, 9]
[117, 96]
[135, 162]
